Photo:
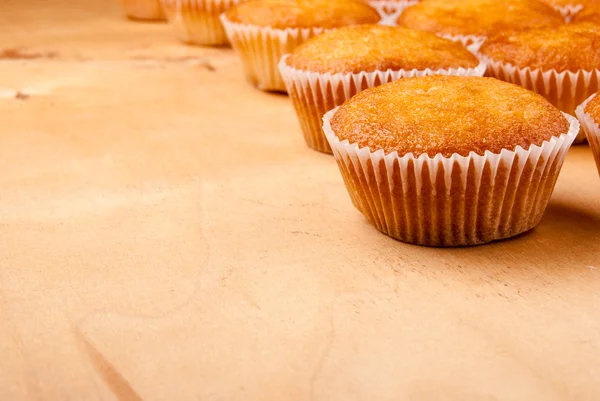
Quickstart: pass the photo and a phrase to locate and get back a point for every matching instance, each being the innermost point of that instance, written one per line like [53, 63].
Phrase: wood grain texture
[166, 235]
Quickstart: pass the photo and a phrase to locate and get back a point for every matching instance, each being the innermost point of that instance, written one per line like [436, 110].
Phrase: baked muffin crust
[281, 14]
[479, 17]
[447, 115]
[569, 47]
[353, 49]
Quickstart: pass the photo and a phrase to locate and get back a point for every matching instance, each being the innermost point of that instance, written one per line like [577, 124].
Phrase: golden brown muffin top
[593, 108]
[281, 14]
[446, 115]
[376, 47]
[479, 17]
[570, 47]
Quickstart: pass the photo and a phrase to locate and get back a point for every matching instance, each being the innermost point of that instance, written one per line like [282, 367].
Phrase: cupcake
[197, 21]
[472, 21]
[447, 160]
[589, 116]
[319, 79]
[143, 10]
[262, 31]
[559, 63]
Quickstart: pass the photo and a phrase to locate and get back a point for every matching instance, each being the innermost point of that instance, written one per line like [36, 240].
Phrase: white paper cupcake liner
[591, 129]
[197, 21]
[451, 201]
[565, 89]
[390, 10]
[147, 10]
[261, 48]
[313, 94]
[569, 11]
[471, 42]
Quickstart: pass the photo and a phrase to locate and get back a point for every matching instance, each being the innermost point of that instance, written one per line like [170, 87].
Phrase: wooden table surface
[166, 235]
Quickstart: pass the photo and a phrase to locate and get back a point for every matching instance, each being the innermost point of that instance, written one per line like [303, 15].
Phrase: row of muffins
[444, 158]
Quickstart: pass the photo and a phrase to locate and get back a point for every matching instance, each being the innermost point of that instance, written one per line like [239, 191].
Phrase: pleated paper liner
[390, 10]
[471, 42]
[569, 11]
[313, 94]
[565, 89]
[144, 10]
[452, 201]
[197, 21]
[591, 129]
[261, 48]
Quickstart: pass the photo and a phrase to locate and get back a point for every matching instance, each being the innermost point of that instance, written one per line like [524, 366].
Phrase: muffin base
[197, 21]
[565, 89]
[261, 49]
[143, 10]
[452, 201]
[591, 130]
[313, 94]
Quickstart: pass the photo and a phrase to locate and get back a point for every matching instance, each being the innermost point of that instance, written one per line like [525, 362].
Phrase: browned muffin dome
[447, 115]
[593, 108]
[282, 14]
[570, 47]
[377, 47]
[479, 17]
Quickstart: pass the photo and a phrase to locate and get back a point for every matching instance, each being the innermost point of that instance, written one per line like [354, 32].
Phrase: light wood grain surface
[166, 235]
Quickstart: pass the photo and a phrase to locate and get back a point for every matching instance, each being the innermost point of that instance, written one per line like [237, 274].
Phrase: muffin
[559, 63]
[144, 10]
[262, 31]
[447, 160]
[472, 21]
[589, 116]
[197, 21]
[319, 79]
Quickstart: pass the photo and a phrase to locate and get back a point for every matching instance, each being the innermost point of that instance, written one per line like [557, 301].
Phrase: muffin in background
[319, 79]
[562, 64]
[197, 21]
[143, 10]
[262, 31]
[472, 21]
[450, 161]
[588, 114]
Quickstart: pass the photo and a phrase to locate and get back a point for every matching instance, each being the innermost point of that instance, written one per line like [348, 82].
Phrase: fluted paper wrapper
[147, 10]
[591, 129]
[569, 11]
[565, 89]
[390, 10]
[451, 201]
[471, 42]
[313, 94]
[197, 21]
[261, 49]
